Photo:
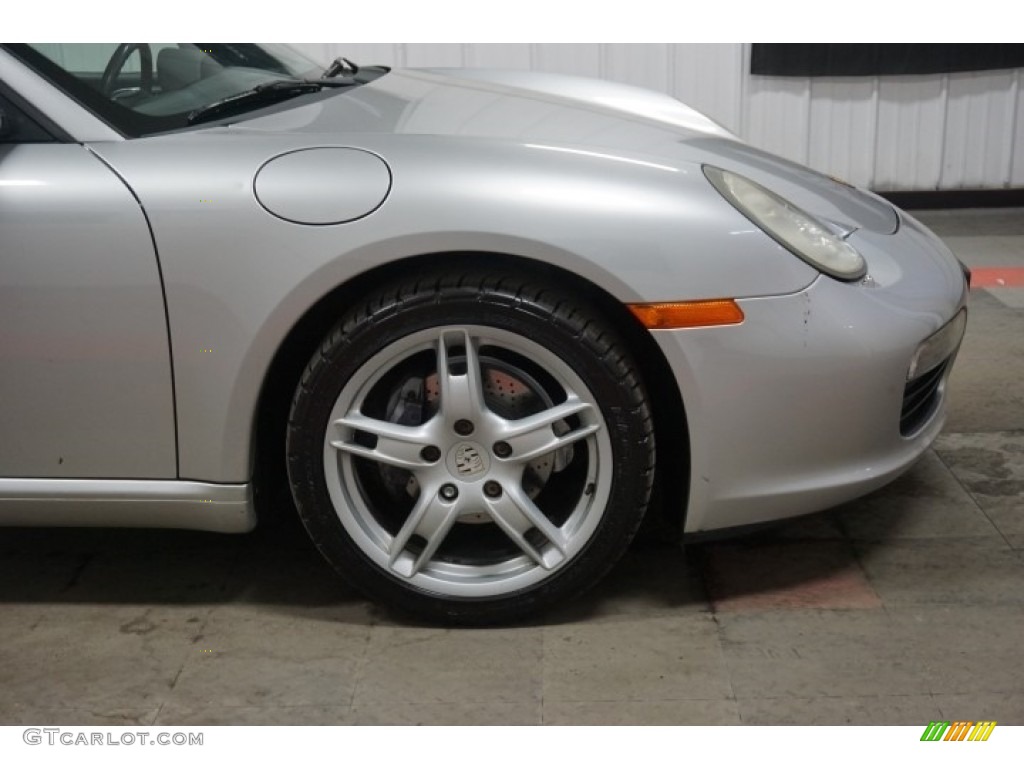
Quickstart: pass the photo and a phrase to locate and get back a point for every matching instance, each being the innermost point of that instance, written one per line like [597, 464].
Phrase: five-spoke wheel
[471, 455]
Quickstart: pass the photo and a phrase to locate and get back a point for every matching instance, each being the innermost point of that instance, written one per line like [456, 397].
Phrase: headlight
[790, 227]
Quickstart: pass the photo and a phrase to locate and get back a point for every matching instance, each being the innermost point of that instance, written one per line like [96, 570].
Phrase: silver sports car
[475, 320]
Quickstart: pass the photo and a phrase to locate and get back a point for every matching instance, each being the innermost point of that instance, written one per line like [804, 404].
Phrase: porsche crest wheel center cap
[468, 460]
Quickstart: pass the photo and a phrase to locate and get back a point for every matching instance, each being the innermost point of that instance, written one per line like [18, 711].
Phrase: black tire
[540, 343]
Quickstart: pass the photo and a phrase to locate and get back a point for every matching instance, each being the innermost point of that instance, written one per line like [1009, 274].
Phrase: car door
[85, 372]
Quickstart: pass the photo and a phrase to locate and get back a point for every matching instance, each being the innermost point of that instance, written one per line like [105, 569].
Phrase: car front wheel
[471, 449]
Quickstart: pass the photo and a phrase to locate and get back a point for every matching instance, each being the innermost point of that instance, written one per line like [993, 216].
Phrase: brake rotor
[510, 394]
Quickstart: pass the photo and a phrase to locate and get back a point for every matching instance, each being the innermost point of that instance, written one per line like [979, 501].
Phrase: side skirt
[34, 502]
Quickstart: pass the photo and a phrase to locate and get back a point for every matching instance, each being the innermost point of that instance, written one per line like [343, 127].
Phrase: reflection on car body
[470, 317]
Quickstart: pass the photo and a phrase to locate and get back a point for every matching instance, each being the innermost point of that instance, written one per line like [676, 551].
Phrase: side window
[18, 128]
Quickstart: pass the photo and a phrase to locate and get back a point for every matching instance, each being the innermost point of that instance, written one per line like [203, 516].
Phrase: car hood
[606, 120]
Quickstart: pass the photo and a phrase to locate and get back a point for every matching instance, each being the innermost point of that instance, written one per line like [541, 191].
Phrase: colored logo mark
[959, 730]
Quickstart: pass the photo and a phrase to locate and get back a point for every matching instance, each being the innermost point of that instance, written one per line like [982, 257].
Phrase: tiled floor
[903, 607]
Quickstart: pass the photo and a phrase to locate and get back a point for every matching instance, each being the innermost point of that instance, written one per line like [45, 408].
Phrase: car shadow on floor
[810, 562]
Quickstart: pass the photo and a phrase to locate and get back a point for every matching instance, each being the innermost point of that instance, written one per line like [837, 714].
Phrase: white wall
[888, 133]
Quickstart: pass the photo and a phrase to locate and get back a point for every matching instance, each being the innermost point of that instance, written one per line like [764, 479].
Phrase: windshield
[142, 88]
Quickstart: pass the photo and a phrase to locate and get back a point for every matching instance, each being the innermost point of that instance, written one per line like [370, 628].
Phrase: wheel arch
[298, 345]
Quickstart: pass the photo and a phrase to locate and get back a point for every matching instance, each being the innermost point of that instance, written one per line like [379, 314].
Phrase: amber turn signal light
[687, 314]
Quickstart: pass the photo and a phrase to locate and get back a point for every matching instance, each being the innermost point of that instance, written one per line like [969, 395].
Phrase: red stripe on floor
[997, 277]
[771, 576]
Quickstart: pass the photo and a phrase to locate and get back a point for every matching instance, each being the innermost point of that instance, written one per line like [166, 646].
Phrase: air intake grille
[920, 398]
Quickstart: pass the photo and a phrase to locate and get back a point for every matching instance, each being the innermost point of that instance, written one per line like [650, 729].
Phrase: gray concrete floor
[900, 608]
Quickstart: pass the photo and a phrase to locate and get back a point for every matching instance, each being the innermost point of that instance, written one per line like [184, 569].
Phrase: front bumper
[799, 408]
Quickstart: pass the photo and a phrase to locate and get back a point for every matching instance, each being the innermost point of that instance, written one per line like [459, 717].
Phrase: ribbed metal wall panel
[843, 116]
[778, 116]
[710, 78]
[568, 59]
[1017, 169]
[910, 133]
[979, 130]
[889, 133]
[431, 55]
[646, 65]
[500, 56]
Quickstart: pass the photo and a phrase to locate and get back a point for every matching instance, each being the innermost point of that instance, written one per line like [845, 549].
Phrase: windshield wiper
[341, 66]
[264, 93]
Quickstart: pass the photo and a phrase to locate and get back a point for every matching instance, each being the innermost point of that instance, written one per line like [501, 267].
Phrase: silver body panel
[644, 216]
[607, 186]
[303, 187]
[127, 504]
[85, 370]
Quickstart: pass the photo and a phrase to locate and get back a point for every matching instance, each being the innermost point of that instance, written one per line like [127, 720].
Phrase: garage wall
[890, 133]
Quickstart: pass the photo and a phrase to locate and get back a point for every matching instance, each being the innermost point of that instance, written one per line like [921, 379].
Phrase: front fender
[237, 278]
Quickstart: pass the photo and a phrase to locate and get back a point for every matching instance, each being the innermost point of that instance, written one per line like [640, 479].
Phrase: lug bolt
[430, 453]
[502, 449]
[492, 488]
[449, 492]
[464, 427]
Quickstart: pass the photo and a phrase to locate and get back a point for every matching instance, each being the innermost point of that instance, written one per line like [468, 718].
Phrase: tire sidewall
[580, 343]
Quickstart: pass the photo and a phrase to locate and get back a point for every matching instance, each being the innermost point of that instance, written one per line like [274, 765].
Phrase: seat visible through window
[177, 68]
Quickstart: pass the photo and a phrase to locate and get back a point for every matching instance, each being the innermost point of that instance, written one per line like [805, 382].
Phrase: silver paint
[127, 504]
[323, 185]
[446, 491]
[85, 389]
[795, 409]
